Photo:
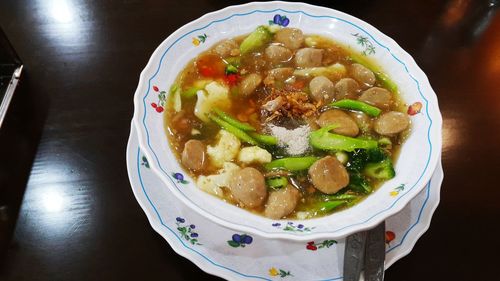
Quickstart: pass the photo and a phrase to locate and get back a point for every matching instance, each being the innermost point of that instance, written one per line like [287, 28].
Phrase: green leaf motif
[233, 244]
[285, 273]
[327, 243]
[145, 162]
[369, 48]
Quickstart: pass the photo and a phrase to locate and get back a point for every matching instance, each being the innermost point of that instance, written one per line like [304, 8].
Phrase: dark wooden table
[68, 128]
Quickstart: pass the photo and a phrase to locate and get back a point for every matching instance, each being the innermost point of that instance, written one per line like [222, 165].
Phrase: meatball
[194, 156]
[308, 57]
[249, 84]
[363, 75]
[279, 74]
[378, 97]
[346, 88]
[225, 48]
[281, 202]
[292, 38]
[363, 121]
[322, 89]
[391, 123]
[248, 187]
[346, 125]
[328, 175]
[277, 54]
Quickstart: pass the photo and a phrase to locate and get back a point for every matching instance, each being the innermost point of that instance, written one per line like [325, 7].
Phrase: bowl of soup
[287, 120]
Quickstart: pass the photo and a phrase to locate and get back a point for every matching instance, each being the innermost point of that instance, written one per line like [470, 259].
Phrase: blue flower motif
[280, 20]
[238, 240]
[276, 224]
[192, 226]
[300, 226]
[194, 235]
[179, 176]
[247, 239]
[179, 219]
[290, 223]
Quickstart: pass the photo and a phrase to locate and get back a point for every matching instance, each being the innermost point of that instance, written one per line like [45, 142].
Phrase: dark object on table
[10, 73]
[365, 250]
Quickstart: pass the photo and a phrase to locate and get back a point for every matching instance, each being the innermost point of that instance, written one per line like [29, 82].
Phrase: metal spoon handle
[353, 256]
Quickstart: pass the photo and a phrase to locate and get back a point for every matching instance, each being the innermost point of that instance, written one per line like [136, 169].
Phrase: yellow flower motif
[196, 41]
[273, 271]
[394, 193]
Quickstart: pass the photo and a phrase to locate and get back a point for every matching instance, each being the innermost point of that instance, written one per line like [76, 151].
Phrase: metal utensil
[375, 254]
[353, 255]
[365, 250]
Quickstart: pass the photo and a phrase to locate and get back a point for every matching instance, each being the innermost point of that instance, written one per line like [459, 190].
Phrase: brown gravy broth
[184, 125]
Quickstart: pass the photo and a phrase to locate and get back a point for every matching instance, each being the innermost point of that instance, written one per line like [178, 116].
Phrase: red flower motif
[159, 109]
[414, 108]
[154, 105]
[311, 247]
[155, 89]
[389, 236]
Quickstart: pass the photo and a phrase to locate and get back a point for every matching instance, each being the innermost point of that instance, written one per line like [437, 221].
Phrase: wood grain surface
[70, 121]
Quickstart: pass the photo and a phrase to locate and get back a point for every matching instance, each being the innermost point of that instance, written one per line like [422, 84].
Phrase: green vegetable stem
[324, 140]
[325, 207]
[264, 139]
[191, 92]
[258, 38]
[358, 106]
[381, 77]
[277, 183]
[232, 129]
[240, 125]
[292, 163]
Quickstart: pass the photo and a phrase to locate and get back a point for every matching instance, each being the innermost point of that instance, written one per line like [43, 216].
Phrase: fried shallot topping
[289, 103]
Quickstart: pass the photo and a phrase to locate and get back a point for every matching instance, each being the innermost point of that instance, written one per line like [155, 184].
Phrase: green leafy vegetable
[358, 167]
[357, 105]
[382, 170]
[323, 139]
[257, 39]
[358, 183]
[327, 206]
[231, 69]
[292, 163]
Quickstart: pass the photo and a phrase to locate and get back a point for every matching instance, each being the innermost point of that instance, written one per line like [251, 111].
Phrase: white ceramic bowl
[418, 158]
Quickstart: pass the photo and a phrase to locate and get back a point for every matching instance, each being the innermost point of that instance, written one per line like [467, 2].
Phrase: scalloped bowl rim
[271, 7]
